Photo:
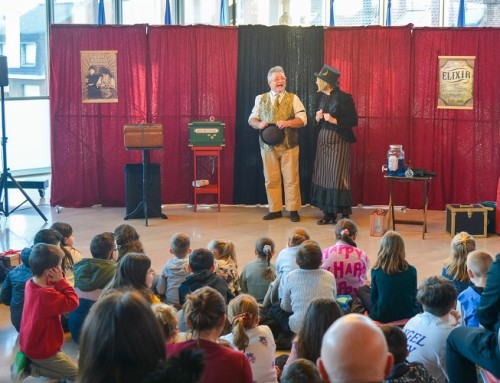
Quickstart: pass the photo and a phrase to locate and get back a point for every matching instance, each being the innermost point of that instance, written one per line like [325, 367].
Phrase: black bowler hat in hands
[272, 135]
[329, 74]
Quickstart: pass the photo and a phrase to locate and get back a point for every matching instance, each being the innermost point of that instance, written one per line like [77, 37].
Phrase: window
[28, 54]
[82, 11]
[355, 12]
[201, 12]
[134, 12]
[421, 13]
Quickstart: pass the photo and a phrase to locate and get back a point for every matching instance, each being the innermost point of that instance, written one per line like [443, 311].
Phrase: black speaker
[133, 195]
[4, 71]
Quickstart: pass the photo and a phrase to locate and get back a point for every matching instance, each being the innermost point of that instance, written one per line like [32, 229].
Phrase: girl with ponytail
[256, 342]
[456, 267]
[258, 275]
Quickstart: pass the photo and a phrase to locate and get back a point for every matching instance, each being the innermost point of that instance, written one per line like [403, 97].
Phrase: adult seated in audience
[121, 342]
[133, 272]
[91, 276]
[354, 350]
[201, 264]
[469, 346]
[403, 371]
[205, 312]
[427, 332]
[127, 240]
[456, 267]
[15, 282]
[320, 315]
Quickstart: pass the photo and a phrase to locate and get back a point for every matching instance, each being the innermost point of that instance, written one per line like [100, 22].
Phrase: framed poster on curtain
[456, 82]
[99, 76]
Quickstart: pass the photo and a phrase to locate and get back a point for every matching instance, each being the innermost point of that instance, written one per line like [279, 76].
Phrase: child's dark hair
[265, 250]
[201, 259]
[345, 230]
[179, 243]
[437, 295]
[48, 236]
[301, 370]
[66, 231]
[43, 257]
[203, 310]
[309, 255]
[102, 245]
[242, 313]
[396, 341]
[297, 236]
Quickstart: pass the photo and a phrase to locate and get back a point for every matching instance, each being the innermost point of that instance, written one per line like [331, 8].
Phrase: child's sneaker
[19, 370]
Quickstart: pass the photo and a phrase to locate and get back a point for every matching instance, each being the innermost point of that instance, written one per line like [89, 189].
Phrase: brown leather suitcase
[143, 136]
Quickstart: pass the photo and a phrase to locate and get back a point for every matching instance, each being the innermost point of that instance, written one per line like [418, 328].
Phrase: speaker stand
[6, 175]
[144, 204]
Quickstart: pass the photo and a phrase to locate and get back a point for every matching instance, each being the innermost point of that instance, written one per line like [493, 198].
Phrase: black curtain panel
[300, 52]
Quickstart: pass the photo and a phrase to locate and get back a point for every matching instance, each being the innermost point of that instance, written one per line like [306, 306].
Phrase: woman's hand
[319, 115]
[328, 118]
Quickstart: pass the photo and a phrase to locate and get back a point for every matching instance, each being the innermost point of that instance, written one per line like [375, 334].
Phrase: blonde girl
[393, 282]
[257, 342]
[456, 268]
[258, 275]
[167, 317]
[226, 266]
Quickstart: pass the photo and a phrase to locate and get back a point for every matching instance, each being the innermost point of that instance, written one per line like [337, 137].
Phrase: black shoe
[327, 218]
[346, 216]
[270, 216]
[294, 216]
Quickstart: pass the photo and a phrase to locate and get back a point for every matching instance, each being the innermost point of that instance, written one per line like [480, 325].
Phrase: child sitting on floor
[257, 275]
[71, 255]
[226, 266]
[456, 268]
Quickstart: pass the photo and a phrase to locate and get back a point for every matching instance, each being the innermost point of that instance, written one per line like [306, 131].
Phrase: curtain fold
[193, 77]
[300, 52]
[88, 155]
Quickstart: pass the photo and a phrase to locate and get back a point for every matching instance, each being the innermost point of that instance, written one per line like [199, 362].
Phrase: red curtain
[376, 70]
[88, 154]
[461, 146]
[193, 77]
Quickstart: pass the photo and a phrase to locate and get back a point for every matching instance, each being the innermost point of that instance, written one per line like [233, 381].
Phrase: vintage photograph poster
[456, 82]
[98, 74]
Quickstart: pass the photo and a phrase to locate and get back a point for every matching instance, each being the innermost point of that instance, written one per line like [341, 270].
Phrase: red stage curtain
[375, 67]
[461, 146]
[88, 154]
[193, 77]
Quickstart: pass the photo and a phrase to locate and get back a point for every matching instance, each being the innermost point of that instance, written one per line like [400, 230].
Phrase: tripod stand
[6, 175]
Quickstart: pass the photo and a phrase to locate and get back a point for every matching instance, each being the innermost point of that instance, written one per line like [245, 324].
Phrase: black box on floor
[133, 195]
[471, 218]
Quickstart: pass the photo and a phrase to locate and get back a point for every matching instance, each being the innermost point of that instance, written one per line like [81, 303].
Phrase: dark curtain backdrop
[193, 77]
[462, 146]
[300, 52]
[88, 155]
[376, 70]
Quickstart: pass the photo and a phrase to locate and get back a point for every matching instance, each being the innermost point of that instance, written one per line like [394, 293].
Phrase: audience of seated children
[258, 274]
[427, 332]
[175, 270]
[393, 292]
[47, 296]
[456, 267]
[345, 260]
[478, 264]
[91, 276]
[286, 260]
[122, 342]
[305, 284]
[354, 350]
[403, 371]
[471, 346]
[320, 315]
[71, 255]
[127, 240]
[226, 266]
[202, 266]
[133, 272]
[300, 371]
[205, 312]
[169, 322]
[14, 284]
[256, 342]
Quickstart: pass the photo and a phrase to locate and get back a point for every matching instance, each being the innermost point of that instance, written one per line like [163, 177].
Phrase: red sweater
[41, 334]
[222, 364]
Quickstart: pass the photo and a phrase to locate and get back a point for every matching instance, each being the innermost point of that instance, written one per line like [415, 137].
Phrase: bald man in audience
[354, 350]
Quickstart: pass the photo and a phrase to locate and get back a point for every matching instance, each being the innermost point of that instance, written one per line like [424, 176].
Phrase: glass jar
[396, 161]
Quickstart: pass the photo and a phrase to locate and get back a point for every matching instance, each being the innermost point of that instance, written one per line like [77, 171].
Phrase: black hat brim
[272, 135]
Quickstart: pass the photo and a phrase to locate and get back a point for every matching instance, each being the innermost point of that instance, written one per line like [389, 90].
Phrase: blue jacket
[13, 288]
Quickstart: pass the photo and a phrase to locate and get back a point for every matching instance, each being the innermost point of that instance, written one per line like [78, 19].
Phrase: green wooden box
[206, 133]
